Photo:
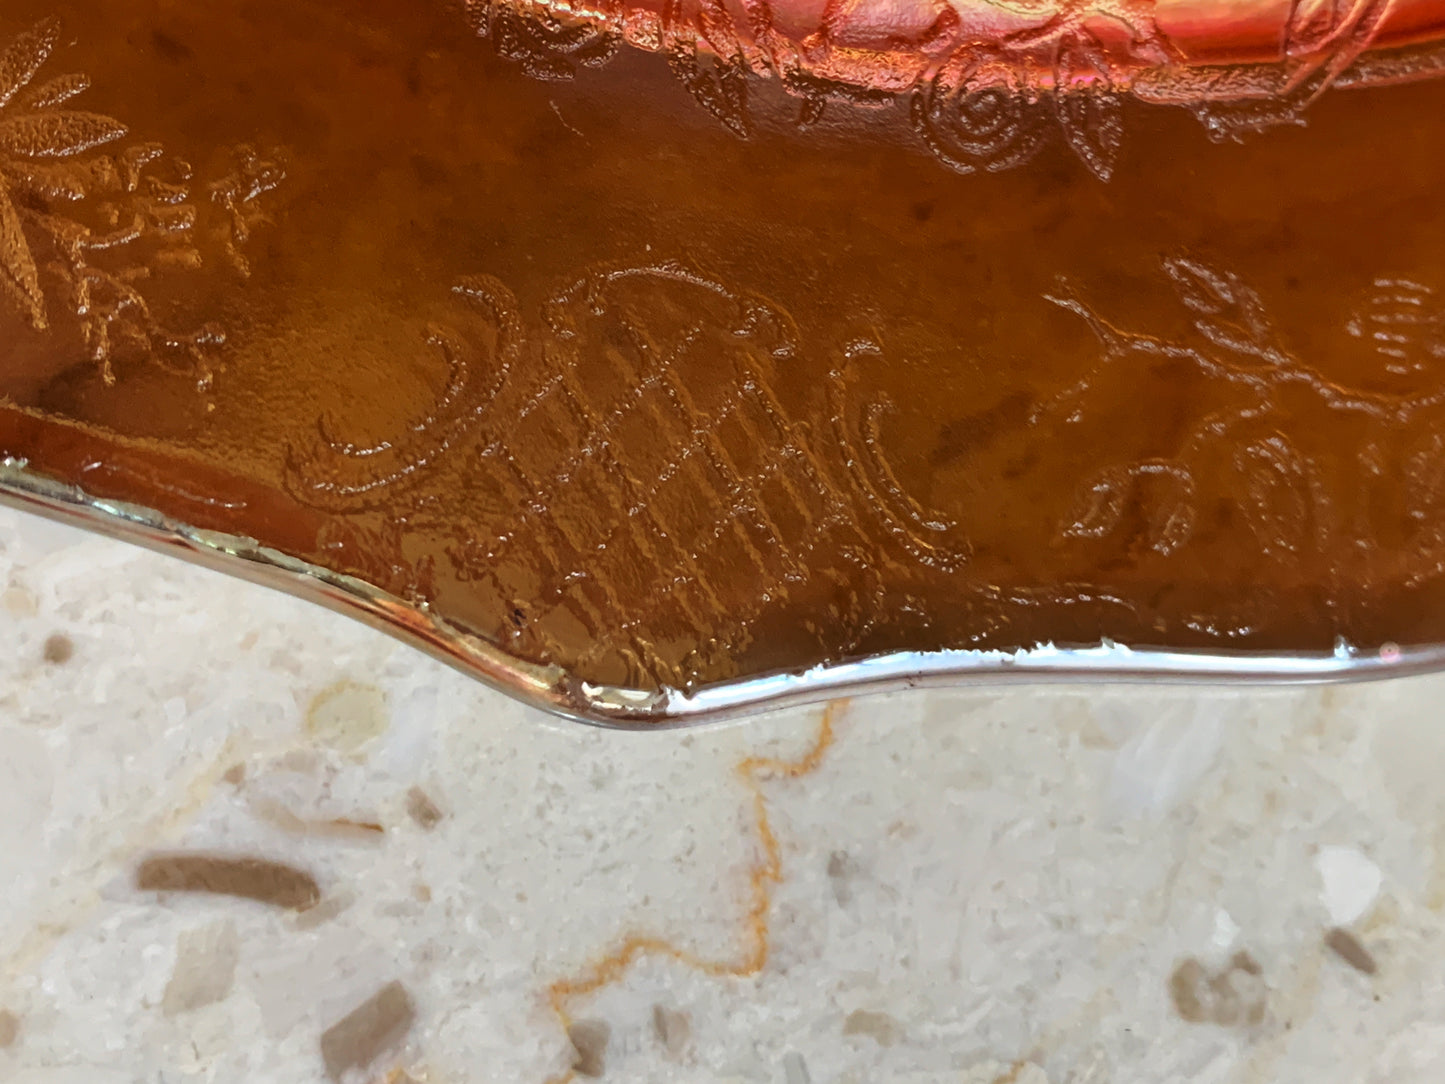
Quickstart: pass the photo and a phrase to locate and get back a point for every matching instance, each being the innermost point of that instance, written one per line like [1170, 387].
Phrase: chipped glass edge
[552, 689]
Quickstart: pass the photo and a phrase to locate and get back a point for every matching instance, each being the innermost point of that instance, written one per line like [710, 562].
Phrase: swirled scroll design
[337, 473]
[991, 128]
[85, 223]
[928, 536]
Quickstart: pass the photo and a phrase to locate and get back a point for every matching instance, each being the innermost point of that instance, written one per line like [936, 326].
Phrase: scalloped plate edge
[551, 689]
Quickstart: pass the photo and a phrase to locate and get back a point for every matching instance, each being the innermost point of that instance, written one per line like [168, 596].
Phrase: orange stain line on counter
[766, 872]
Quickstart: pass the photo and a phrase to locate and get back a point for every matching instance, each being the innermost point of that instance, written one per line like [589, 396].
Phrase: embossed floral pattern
[975, 115]
[85, 223]
[980, 102]
[1281, 489]
[36, 133]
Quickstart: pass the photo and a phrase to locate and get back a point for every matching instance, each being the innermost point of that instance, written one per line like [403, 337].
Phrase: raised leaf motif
[1282, 499]
[55, 92]
[1404, 323]
[1172, 524]
[1098, 505]
[1164, 489]
[1091, 115]
[1424, 486]
[720, 86]
[1170, 505]
[23, 58]
[68, 181]
[1228, 312]
[57, 135]
[722, 91]
[926, 534]
[239, 193]
[1093, 126]
[19, 279]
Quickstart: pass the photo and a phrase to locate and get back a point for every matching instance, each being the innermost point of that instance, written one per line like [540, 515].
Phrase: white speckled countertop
[1070, 885]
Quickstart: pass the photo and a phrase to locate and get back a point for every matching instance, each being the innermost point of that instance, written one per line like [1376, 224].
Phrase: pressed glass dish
[654, 362]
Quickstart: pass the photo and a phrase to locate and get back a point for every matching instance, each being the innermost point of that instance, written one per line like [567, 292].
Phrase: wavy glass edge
[551, 689]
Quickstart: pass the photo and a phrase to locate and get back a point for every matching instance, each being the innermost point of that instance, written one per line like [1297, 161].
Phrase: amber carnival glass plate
[656, 359]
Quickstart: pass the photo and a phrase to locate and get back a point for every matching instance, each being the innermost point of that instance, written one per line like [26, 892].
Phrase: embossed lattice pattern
[644, 449]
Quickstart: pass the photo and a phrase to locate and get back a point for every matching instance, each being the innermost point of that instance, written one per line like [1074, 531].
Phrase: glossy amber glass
[659, 367]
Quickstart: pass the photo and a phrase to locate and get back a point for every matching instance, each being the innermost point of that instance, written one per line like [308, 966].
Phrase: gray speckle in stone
[378, 1024]
[673, 1029]
[205, 968]
[1348, 948]
[1232, 996]
[841, 871]
[421, 809]
[250, 878]
[589, 1039]
[878, 1026]
[58, 649]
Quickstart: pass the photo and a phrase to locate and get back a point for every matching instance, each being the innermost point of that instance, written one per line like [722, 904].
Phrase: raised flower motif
[85, 223]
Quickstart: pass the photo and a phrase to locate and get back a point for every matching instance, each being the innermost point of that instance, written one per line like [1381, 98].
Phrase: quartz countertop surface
[244, 839]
